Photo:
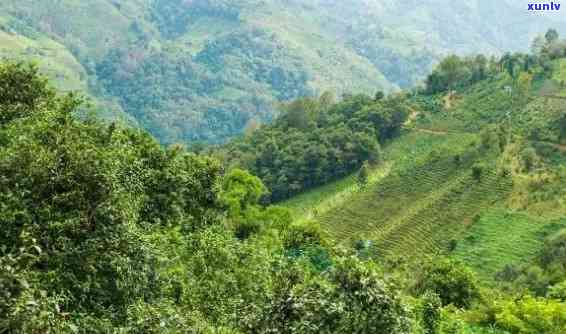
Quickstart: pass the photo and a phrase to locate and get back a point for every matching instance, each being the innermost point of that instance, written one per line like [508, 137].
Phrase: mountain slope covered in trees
[454, 223]
[205, 70]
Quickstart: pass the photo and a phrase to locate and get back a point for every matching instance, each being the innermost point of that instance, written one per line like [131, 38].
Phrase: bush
[558, 291]
[478, 170]
[533, 316]
[431, 306]
[303, 235]
[363, 175]
[454, 283]
[351, 298]
[528, 159]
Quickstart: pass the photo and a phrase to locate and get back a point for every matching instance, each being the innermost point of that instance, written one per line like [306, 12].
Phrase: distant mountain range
[204, 70]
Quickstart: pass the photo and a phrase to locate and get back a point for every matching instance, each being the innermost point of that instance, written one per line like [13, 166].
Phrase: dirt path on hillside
[433, 132]
[551, 96]
[560, 147]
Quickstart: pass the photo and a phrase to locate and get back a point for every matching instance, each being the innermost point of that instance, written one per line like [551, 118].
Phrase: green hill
[478, 174]
[205, 70]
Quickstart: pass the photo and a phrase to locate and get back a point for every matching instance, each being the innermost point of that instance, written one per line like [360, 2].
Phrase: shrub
[531, 315]
[478, 169]
[528, 159]
[558, 291]
[363, 175]
[431, 312]
[351, 298]
[453, 282]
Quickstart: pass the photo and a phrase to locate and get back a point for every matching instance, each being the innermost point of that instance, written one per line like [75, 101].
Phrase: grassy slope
[53, 58]
[321, 200]
[64, 70]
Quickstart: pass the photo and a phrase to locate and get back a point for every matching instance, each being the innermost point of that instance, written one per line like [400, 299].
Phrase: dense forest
[318, 140]
[107, 231]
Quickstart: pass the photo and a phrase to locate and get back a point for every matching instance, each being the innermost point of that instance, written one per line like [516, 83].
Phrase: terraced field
[428, 200]
[423, 204]
[501, 237]
[412, 148]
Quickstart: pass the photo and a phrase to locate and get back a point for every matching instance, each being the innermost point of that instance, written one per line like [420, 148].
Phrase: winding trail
[434, 132]
[558, 146]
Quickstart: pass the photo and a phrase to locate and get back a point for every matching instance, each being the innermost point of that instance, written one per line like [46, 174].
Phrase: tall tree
[551, 36]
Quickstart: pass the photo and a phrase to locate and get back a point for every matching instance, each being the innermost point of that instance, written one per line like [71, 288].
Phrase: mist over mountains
[204, 70]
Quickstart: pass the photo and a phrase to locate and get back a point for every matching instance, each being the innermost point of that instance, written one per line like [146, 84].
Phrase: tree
[451, 71]
[530, 315]
[350, 298]
[76, 195]
[511, 64]
[23, 91]
[453, 282]
[300, 112]
[489, 138]
[551, 36]
[538, 45]
[558, 291]
[338, 139]
[528, 158]
[430, 307]
[452, 68]
[229, 280]
[478, 170]
[240, 191]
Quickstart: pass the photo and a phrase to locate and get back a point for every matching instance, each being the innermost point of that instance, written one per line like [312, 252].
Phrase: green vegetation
[316, 141]
[477, 177]
[499, 238]
[450, 217]
[107, 231]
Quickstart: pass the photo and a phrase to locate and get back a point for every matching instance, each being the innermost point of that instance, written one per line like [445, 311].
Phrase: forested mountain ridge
[204, 70]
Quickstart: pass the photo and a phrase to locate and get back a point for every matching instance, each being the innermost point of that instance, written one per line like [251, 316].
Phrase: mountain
[204, 70]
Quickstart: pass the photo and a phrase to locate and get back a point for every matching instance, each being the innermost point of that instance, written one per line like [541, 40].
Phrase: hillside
[206, 70]
[478, 174]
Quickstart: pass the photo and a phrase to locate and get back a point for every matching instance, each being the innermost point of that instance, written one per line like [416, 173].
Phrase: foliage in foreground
[105, 231]
[87, 211]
